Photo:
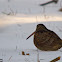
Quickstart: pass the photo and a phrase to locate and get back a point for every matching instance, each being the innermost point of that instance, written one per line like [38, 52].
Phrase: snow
[27, 7]
[16, 56]
[13, 33]
[18, 19]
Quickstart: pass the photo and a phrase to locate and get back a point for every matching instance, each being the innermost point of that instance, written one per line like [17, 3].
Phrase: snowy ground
[18, 19]
[29, 7]
[13, 33]
[16, 56]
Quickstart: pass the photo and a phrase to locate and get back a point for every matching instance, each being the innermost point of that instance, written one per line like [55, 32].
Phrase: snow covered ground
[16, 56]
[18, 19]
[13, 33]
[29, 7]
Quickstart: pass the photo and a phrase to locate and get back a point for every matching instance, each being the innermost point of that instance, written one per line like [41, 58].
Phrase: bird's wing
[42, 37]
[46, 37]
[55, 35]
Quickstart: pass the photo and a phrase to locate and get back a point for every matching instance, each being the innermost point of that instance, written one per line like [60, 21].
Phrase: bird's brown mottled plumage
[45, 39]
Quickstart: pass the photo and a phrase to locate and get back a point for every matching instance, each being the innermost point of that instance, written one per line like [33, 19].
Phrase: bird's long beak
[31, 35]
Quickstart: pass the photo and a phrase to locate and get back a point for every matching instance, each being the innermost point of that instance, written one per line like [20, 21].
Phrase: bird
[45, 39]
[52, 1]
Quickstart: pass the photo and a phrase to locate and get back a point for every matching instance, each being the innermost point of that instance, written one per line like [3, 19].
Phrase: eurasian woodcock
[45, 39]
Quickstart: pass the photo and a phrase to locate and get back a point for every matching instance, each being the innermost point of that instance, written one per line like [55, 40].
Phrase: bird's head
[40, 27]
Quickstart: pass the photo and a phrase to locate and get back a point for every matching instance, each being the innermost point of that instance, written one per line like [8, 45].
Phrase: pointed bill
[30, 35]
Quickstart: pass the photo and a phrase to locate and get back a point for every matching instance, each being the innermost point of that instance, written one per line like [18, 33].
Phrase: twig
[56, 59]
[38, 56]
[10, 58]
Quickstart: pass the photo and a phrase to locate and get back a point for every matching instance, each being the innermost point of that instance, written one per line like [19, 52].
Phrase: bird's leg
[30, 35]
